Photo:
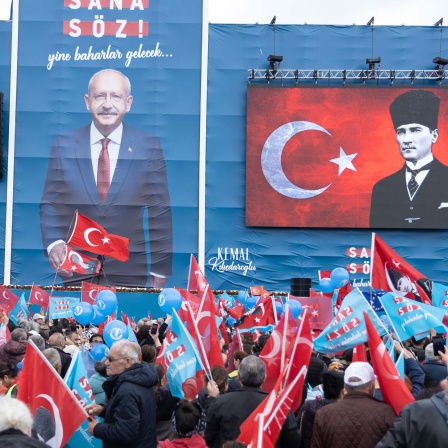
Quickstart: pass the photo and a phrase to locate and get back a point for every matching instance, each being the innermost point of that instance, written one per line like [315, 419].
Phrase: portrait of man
[399, 282]
[115, 175]
[416, 196]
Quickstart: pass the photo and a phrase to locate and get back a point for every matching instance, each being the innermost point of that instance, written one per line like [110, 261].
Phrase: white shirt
[420, 177]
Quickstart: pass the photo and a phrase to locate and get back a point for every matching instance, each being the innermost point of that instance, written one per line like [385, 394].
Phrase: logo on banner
[232, 259]
[77, 310]
[101, 305]
[116, 334]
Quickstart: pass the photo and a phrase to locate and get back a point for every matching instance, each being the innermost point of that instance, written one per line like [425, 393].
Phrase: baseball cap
[361, 370]
[38, 316]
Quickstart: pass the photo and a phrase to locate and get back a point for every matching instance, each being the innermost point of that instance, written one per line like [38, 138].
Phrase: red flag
[8, 300]
[298, 352]
[235, 346]
[46, 394]
[236, 311]
[256, 290]
[393, 389]
[206, 323]
[320, 310]
[274, 352]
[261, 315]
[193, 300]
[39, 297]
[359, 353]
[90, 236]
[390, 272]
[80, 263]
[89, 291]
[196, 279]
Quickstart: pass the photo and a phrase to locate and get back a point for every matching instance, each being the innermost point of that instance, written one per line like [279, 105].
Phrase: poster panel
[107, 124]
[319, 157]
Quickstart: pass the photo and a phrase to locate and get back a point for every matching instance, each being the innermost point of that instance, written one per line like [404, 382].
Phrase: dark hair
[219, 375]
[332, 384]
[100, 367]
[160, 370]
[247, 348]
[65, 324]
[149, 353]
[55, 329]
[144, 335]
[187, 418]
[234, 444]
[9, 369]
[239, 356]
[428, 392]
[97, 335]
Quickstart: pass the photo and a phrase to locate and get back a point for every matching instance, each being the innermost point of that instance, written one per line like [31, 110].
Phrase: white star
[74, 268]
[344, 161]
[257, 319]
[314, 313]
[105, 240]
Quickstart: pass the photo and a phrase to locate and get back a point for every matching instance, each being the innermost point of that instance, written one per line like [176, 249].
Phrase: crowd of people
[342, 404]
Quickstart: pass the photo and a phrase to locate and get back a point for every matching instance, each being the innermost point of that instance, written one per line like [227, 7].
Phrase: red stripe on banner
[117, 29]
[106, 4]
[357, 252]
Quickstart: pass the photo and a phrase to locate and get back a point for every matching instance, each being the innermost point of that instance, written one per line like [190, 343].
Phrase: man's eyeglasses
[108, 358]
[97, 341]
[101, 97]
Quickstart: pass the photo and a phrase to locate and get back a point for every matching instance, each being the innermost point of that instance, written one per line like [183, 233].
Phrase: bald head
[57, 340]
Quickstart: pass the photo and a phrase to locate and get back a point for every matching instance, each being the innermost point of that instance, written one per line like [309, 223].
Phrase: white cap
[38, 316]
[361, 370]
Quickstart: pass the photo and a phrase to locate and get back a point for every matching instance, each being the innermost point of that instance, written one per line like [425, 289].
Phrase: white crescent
[271, 159]
[37, 296]
[87, 233]
[90, 293]
[276, 346]
[5, 295]
[56, 441]
[381, 352]
[198, 319]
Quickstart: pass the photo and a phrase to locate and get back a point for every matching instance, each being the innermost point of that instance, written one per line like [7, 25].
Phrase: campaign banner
[113, 89]
[318, 158]
[62, 307]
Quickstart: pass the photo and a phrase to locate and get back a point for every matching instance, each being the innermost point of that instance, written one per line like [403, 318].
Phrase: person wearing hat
[359, 419]
[39, 319]
[416, 196]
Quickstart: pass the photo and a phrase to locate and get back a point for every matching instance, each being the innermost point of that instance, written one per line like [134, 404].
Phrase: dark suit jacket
[391, 207]
[138, 194]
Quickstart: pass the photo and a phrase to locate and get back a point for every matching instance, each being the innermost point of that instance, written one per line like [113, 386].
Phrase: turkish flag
[359, 353]
[8, 300]
[39, 297]
[390, 272]
[314, 155]
[75, 261]
[89, 291]
[262, 315]
[90, 236]
[393, 389]
[53, 405]
[196, 279]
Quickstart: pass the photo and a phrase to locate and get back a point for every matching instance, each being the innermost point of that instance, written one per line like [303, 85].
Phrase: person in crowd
[149, 353]
[414, 374]
[433, 366]
[237, 358]
[130, 411]
[39, 319]
[257, 347]
[359, 419]
[54, 358]
[315, 370]
[220, 379]
[72, 342]
[8, 379]
[38, 341]
[423, 423]
[16, 425]
[166, 403]
[188, 422]
[96, 382]
[417, 347]
[57, 341]
[96, 339]
[14, 350]
[234, 444]
[228, 411]
[333, 389]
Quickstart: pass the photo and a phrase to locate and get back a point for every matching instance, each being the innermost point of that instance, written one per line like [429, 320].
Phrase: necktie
[412, 184]
[103, 174]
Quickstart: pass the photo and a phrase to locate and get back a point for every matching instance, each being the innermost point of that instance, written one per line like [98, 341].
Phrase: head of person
[400, 282]
[96, 339]
[252, 371]
[415, 115]
[15, 415]
[39, 319]
[359, 377]
[122, 355]
[8, 373]
[149, 353]
[430, 355]
[220, 377]
[73, 338]
[188, 418]
[38, 341]
[54, 358]
[57, 340]
[238, 357]
[100, 367]
[19, 335]
[333, 384]
[108, 99]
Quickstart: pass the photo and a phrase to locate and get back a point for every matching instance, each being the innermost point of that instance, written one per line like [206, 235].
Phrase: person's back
[423, 423]
[359, 419]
